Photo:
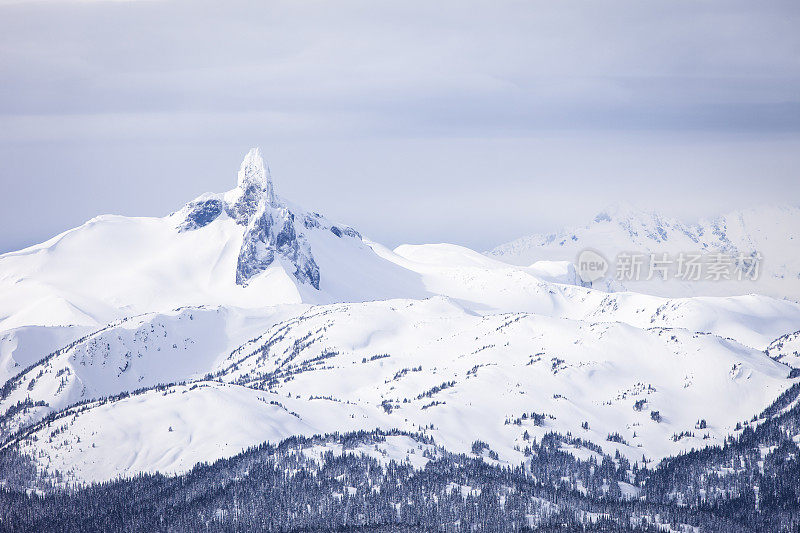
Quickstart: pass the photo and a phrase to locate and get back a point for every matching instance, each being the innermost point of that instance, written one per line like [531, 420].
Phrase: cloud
[544, 62]
[552, 94]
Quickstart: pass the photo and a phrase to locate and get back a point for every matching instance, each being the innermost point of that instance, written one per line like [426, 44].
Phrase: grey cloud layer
[455, 65]
[365, 94]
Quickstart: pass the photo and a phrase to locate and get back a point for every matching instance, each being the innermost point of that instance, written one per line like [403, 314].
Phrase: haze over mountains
[136, 345]
[770, 231]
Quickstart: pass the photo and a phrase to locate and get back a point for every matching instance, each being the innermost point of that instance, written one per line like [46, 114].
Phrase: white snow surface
[26, 345]
[435, 338]
[408, 364]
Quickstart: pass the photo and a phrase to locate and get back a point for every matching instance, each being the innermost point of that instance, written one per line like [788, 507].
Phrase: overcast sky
[414, 121]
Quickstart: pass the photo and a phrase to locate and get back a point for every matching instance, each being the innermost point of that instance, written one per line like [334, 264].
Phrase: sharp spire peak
[254, 174]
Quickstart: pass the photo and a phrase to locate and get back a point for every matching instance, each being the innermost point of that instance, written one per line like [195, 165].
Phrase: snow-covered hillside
[26, 345]
[431, 366]
[130, 354]
[134, 345]
[772, 232]
[187, 344]
[786, 349]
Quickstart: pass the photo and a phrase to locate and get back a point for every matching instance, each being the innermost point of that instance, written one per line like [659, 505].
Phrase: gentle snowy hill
[160, 348]
[430, 366]
[25, 346]
[773, 232]
[133, 353]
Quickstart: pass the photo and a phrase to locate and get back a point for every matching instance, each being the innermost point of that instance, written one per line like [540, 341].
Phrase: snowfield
[417, 365]
[132, 345]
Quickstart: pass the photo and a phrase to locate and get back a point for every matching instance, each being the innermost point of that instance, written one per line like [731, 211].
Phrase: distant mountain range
[142, 345]
[771, 232]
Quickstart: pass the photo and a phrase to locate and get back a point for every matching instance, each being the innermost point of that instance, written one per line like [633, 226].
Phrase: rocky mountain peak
[271, 230]
[254, 177]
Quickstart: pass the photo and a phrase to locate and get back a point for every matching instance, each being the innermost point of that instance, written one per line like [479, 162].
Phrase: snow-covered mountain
[428, 366]
[135, 345]
[246, 248]
[772, 232]
[188, 343]
[584, 357]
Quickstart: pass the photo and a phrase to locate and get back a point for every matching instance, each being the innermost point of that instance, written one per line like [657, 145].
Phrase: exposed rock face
[202, 213]
[272, 231]
[254, 190]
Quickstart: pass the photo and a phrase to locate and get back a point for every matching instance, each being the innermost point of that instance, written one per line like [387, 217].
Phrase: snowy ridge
[272, 230]
[786, 349]
[769, 231]
[435, 367]
[246, 248]
[25, 346]
[241, 318]
[134, 353]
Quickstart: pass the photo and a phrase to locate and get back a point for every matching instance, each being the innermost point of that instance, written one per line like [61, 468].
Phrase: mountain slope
[242, 318]
[133, 353]
[24, 346]
[185, 344]
[245, 248]
[771, 232]
[429, 366]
